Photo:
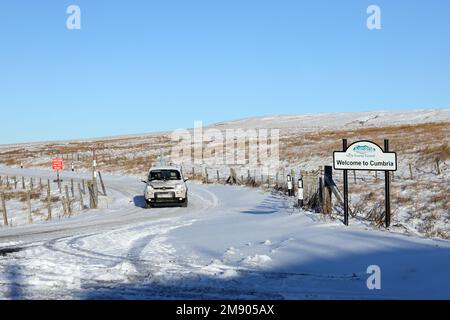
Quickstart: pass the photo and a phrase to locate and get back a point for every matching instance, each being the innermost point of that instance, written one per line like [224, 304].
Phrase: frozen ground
[231, 243]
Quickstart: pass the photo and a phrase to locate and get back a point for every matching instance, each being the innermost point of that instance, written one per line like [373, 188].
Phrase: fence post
[92, 197]
[293, 182]
[327, 198]
[102, 183]
[69, 207]
[410, 172]
[72, 189]
[438, 169]
[206, 175]
[63, 200]
[30, 218]
[23, 183]
[49, 201]
[354, 176]
[81, 197]
[193, 173]
[95, 185]
[321, 192]
[232, 179]
[5, 215]
[218, 177]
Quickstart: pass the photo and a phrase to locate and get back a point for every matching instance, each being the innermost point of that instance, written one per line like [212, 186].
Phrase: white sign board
[365, 155]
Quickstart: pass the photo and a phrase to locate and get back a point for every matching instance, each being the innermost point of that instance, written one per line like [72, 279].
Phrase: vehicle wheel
[147, 205]
[185, 203]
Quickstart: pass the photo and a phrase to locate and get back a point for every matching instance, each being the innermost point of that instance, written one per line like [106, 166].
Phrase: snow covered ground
[236, 242]
[231, 243]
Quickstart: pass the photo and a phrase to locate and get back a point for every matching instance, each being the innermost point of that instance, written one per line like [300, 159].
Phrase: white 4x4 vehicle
[165, 186]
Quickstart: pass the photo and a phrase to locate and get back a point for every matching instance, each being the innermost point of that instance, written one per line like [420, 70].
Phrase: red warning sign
[57, 164]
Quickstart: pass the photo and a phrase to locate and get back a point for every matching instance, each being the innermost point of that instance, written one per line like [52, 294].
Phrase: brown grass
[440, 151]
[403, 139]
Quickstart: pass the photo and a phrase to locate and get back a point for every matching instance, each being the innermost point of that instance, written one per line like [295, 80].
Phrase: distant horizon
[149, 133]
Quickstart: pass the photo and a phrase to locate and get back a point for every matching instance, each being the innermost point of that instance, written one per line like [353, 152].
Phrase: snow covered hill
[293, 123]
[331, 121]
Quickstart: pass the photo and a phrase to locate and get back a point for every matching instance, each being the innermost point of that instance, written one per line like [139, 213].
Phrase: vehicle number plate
[164, 195]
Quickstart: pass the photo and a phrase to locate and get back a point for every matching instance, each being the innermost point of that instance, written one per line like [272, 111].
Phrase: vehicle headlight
[179, 187]
[149, 189]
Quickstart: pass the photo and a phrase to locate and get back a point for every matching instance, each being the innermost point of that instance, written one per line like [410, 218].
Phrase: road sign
[365, 155]
[57, 164]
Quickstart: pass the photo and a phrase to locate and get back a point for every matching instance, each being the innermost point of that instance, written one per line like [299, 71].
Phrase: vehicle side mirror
[186, 179]
[144, 181]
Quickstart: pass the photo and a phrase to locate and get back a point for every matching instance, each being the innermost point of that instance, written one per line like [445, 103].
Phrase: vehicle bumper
[167, 197]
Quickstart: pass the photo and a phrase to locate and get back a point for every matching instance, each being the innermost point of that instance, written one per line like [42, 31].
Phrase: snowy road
[232, 243]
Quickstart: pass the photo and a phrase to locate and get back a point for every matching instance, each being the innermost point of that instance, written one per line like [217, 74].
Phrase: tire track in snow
[77, 243]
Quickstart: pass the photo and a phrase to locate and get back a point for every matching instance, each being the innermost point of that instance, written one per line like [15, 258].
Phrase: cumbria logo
[364, 149]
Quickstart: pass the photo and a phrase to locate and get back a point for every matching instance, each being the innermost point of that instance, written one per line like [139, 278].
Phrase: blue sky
[144, 66]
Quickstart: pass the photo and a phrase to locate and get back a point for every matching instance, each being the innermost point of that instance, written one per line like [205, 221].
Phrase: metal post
[344, 147]
[387, 190]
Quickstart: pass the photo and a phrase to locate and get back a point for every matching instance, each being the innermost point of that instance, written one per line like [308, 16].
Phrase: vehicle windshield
[164, 175]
